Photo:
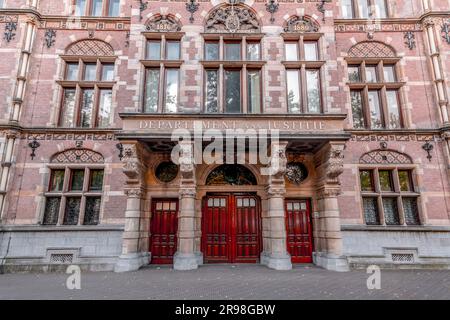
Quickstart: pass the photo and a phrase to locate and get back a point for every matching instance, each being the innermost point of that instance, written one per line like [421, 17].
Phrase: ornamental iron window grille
[74, 196]
[389, 197]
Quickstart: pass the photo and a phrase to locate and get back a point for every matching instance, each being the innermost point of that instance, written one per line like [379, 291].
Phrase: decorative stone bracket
[133, 163]
[330, 164]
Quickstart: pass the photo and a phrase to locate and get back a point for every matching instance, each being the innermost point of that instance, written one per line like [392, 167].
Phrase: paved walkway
[229, 282]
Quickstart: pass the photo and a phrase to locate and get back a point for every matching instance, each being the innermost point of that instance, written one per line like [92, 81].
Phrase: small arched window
[374, 86]
[88, 85]
[75, 188]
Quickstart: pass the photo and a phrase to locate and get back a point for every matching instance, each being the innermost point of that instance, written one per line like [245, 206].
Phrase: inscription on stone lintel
[282, 125]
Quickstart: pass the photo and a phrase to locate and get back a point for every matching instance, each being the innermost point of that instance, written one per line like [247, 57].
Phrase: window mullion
[162, 89]
[366, 107]
[221, 89]
[384, 107]
[105, 7]
[356, 9]
[376, 178]
[83, 195]
[78, 102]
[95, 106]
[244, 87]
[303, 89]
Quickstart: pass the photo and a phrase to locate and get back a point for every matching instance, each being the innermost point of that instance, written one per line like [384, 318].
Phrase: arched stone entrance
[231, 223]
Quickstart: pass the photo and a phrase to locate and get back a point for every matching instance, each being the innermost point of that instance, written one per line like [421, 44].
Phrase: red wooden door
[231, 229]
[247, 229]
[216, 225]
[299, 230]
[163, 228]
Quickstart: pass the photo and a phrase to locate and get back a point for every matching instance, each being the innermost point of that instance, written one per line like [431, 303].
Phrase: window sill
[300, 63]
[375, 85]
[46, 228]
[86, 84]
[233, 63]
[166, 63]
[395, 228]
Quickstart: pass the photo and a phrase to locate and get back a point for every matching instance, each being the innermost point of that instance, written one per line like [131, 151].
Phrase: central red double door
[231, 228]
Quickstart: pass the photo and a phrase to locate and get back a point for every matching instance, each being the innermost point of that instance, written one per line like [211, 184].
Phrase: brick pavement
[230, 282]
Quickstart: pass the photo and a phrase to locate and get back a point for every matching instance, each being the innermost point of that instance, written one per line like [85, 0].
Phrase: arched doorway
[231, 221]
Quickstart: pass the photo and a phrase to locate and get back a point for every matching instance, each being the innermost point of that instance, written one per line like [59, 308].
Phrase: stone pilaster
[186, 258]
[329, 166]
[276, 255]
[132, 258]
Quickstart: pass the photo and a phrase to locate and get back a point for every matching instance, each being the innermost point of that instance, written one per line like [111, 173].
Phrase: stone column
[276, 256]
[186, 258]
[436, 63]
[5, 167]
[329, 166]
[132, 258]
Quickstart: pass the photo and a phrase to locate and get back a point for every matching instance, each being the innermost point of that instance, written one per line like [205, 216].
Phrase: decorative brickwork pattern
[385, 157]
[90, 48]
[371, 49]
[78, 156]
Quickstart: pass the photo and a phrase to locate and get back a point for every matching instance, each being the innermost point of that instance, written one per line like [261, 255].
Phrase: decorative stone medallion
[296, 172]
[166, 171]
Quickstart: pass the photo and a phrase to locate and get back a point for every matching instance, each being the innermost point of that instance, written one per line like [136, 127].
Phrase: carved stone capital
[188, 192]
[276, 191]
[328, 192]
[134, 193]
[12, 134]
[428, 22]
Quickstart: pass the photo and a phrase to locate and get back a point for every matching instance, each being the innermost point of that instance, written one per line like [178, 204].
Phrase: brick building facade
[91, 91]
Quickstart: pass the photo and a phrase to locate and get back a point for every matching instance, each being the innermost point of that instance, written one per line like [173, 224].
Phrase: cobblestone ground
[224, 282]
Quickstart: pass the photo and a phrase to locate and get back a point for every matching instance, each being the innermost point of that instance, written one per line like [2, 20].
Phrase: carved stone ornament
[276, 191]
[335, 163]
[278, 161]
[188, 192]
[134, 193]
[131, 162]
[187, 166]
[163, 23]
[296, 172]
[232, 19]
[301, 24]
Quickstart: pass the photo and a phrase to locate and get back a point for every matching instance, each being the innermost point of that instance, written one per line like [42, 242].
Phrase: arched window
[374, 86]
[389, 192]
[232, 53]
[74, 193]
[88, 85]
[235, 175]
[303, 63]
[162, 62]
